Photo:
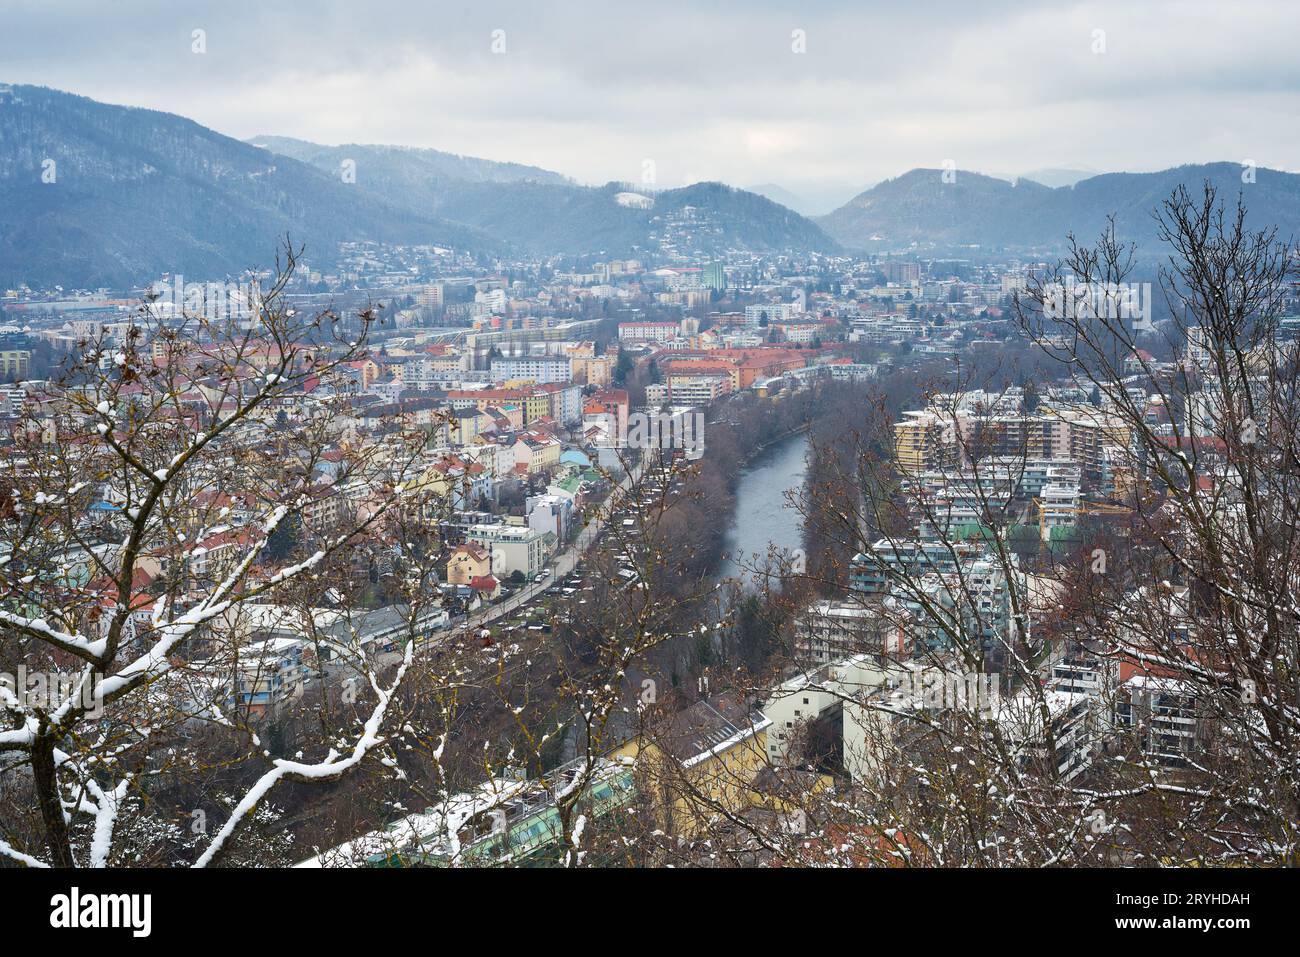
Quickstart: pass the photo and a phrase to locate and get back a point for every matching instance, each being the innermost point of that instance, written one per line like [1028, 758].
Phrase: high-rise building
[715, 277]
[430, 297]
[896, 271]
[923, 441]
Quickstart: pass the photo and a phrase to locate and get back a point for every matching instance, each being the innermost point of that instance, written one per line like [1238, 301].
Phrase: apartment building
[430, 296]
[924, 441]
[267, 675]
[835, 630]
[432, 372]
[513, 548]
[539, 369]
[872, 573]
[691, 389]
[900, 273]
[1163, 717]
[1068, 737]
[766, 313]
[647, 331]
[593, 370]
[14, 364]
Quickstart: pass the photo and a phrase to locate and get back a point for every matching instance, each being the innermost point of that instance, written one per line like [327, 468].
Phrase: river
[764, 517]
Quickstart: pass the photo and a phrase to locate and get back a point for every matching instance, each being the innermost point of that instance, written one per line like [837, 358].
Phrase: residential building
[513, 548]
[538, 369]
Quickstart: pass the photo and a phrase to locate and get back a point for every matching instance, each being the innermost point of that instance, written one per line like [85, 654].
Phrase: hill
[98, 195]
[919, 208]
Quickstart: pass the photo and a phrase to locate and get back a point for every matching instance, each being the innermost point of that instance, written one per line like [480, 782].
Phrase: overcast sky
[707, 90]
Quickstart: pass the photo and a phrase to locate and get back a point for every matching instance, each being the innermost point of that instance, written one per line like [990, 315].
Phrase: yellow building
[467, 424]
[536, 405]
[468, 562]
[922, 442]
[693, 765]
[537, 452]
[14, 363]
[593, 370]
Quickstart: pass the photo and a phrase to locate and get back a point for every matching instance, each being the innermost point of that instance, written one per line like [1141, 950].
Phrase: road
[565, 561]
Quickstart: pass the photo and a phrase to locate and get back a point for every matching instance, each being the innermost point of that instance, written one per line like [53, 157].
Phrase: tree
[134, 624]
[286, 538]
[1208, 606]
[623, 366]
[1132, 698]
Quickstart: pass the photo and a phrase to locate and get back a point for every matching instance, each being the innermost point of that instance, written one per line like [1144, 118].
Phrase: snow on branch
[326, 770]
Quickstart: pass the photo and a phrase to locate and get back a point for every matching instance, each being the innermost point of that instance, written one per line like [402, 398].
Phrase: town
[524, 415]
[613, 445]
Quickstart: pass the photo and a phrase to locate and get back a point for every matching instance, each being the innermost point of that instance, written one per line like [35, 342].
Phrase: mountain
[136, 193]
[918, 207]
[541, 212]
[619, 220]
[98, 195]
[405, 175]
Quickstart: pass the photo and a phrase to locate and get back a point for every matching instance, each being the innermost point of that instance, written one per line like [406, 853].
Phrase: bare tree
[142, 498]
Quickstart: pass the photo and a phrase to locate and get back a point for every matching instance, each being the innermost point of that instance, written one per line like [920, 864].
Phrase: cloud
[706, 90]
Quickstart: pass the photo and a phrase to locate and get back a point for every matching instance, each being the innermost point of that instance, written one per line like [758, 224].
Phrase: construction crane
[1083, 508]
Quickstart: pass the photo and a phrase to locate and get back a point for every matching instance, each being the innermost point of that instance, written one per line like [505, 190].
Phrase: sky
[807, 95]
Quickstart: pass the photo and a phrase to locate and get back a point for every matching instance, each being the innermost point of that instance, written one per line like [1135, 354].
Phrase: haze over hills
[425, 174]
[1055, 176]
[820, 198]
[543, 212]
[975, 210]
[93, 194]
[812, 198]
[134, 193]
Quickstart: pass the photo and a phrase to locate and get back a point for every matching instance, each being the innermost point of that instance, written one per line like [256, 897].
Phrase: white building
[648, 331]
[771, 311]
[540, 369]
[514, 548]
[835, 630]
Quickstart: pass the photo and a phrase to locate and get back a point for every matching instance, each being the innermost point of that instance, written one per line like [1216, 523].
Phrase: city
[377, 507]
